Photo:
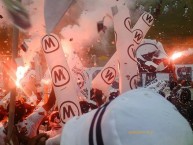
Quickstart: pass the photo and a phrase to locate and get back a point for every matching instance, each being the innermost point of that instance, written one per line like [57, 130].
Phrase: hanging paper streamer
[54, 11]
[126, 46]
[129, 73]
[110, 70]
[127, 69]
[63, 82]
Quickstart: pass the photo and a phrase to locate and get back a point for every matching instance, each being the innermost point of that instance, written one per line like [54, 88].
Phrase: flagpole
[10, 135]
[15, 42]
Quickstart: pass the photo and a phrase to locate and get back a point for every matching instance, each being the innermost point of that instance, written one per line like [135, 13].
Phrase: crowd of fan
[39, 119]
[180, 96]
[163, 9]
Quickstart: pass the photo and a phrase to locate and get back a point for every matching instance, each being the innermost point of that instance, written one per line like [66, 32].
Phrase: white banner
[126, 46]
[127, 66]
[110, 70]
[63, 83]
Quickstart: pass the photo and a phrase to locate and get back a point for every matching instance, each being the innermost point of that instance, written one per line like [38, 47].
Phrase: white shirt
[54, 140]
[32, 122]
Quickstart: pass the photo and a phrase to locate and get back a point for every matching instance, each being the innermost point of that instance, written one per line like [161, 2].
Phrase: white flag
[110, 70]
[63, 83]
[126, 47]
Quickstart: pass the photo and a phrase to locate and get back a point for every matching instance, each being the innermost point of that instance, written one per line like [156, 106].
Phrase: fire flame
[176, 55]
[20, 73]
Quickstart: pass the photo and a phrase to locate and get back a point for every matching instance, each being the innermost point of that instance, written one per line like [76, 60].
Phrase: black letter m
[58, 75]
[67, 112]
[49, 43]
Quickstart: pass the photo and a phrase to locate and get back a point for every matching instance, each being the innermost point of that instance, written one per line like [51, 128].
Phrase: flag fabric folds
[54, 10]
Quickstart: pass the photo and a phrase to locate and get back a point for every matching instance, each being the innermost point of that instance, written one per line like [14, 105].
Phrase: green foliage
[173, 23]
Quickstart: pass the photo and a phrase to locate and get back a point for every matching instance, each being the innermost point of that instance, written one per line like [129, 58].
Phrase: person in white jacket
[139, 116]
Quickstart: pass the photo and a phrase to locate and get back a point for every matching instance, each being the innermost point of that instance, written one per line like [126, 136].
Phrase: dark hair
[113, 95]
[162, 93]
[98, 97]
[185, 95]
[84, 105]
[173, 84]
[53, 115]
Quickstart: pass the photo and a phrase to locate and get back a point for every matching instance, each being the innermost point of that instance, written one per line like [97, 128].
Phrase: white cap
[137, 117]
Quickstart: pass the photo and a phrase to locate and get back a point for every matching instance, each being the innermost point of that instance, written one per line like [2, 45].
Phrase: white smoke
[84, 32]
[187, 52]
[82, 28]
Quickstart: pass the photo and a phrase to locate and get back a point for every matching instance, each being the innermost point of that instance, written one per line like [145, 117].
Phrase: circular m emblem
[50, 43]
[67, 110]
[108, 75]
[60, 76]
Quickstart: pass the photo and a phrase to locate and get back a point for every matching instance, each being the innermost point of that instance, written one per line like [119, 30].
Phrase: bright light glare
[20, 73]
[176, 55]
